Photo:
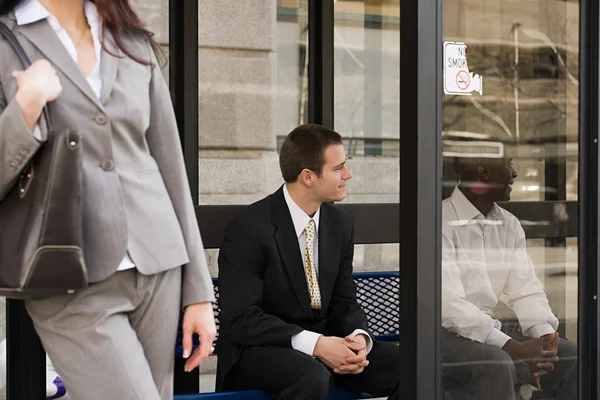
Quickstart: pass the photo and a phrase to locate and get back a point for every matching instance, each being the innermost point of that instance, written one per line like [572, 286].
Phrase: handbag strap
[25, 62]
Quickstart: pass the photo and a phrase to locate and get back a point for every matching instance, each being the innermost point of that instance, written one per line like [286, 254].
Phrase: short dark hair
[467, 169]
[304, 147]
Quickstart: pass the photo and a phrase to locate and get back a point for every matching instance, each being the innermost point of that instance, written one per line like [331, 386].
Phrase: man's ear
[307, 177]
[483, 172]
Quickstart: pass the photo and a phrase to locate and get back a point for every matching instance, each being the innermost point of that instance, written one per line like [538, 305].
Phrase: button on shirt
[306, 341]
[483, 257]
[33, 11]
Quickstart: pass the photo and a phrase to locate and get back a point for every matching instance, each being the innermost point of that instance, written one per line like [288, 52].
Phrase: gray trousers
[486, 372]
[114, 340]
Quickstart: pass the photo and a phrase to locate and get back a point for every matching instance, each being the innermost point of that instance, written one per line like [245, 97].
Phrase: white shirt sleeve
[497, 338]
[368, 338]
[526, 294]
[305, 342]
[459, 315]
[37, 133]
[540, 330]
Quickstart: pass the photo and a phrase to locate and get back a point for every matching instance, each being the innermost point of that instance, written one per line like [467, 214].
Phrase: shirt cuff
[497, 338]
[37, 133]
[368, 339]
[538, 331]
[305, 342]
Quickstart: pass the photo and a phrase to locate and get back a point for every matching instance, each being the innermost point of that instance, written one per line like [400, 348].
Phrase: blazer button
[100, 119]
[107, 165]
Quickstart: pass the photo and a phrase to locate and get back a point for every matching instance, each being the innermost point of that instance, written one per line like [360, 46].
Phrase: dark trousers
[291, 375]
[487, 372]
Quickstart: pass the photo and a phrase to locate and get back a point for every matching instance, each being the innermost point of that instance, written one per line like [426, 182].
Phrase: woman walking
[96, 68]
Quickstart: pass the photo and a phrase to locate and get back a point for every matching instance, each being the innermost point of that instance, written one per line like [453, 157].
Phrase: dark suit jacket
[263, 293]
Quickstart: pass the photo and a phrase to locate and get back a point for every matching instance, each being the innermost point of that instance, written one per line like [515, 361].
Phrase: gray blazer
[136, 193]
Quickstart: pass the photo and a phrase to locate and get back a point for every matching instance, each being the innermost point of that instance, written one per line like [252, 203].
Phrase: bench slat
[336, 394]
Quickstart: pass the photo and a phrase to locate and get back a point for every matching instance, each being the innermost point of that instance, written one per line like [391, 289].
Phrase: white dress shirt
[33, 11]
[306, 341]
[483, 257]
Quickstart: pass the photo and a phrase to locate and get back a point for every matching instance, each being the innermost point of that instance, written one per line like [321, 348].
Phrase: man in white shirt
[290, 322]
[483, 256]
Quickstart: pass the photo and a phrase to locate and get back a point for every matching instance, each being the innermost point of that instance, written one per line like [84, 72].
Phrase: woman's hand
[36, 86]
[198, 318]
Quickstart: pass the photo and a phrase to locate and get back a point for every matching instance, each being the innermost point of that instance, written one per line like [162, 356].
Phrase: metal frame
[588, 332]
[378, 223]
[25, 356]
[420, 196]
[373, 223]
[320, 62]
[183, 85]
[183, 82]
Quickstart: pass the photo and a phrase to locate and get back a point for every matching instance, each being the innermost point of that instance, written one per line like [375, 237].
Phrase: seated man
[290, 322]
[483, 256]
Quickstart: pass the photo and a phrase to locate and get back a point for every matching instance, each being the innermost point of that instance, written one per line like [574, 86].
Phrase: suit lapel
[108, 66]
[289, 249]
[329, 257]
[42, 36]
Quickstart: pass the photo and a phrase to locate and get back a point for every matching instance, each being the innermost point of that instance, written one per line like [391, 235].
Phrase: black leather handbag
[41, 227]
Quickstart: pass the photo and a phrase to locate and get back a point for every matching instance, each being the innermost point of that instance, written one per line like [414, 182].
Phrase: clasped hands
[343, 355]
[540, 355]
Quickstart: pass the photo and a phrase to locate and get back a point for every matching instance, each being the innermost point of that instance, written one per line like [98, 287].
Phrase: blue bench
[377, 293]
[337, 394]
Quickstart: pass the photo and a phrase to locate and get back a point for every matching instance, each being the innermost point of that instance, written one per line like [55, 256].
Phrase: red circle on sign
[463, 80]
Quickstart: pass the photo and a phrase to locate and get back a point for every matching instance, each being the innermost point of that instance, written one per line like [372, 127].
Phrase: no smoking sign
[463, 80]
[458, 80]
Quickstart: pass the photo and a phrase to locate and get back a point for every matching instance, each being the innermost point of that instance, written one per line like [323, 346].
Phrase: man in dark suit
[290, 322]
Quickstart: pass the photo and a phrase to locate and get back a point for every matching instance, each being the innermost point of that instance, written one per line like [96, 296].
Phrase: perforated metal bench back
[377, 293]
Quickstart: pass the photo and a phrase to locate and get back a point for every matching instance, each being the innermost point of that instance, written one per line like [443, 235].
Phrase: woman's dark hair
[117, 16]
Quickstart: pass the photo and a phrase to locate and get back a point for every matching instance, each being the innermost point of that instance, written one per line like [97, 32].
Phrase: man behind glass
[483, 256]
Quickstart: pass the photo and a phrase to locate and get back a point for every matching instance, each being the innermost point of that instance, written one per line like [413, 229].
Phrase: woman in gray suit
[96, 67]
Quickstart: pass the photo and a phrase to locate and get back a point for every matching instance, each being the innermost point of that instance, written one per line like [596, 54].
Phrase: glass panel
[367, 95]
[292, 66]
[510, 153]
[253, 89]
[367, 110]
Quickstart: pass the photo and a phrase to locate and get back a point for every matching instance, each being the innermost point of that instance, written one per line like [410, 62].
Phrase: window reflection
[367, 95]
[484, 256]
[510, 157]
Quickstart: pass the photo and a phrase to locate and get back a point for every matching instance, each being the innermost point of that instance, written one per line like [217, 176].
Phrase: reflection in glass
[252, 78]
[367, 110]
[292, 66]
[509, 265]
[367, 95]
